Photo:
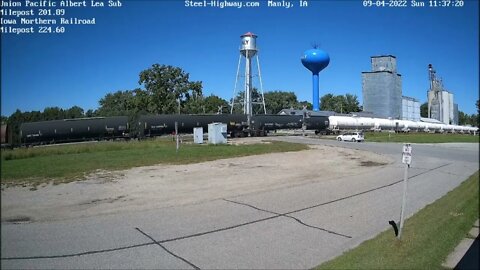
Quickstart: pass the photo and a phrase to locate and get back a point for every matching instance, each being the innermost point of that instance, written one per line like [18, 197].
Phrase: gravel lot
[172, 185]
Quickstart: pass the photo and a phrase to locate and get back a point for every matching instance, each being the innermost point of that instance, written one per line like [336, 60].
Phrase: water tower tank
[315, 60]
[249, 44]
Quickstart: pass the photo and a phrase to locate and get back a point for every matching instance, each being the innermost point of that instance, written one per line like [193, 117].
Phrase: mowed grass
[65, 163]
[428, 237]
[420, 137]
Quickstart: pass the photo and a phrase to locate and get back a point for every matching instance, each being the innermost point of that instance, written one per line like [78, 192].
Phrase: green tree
[118, 103]
[215, 104]
[306, 104]
[327, 102]
[74, 112]
[462, 118]
[33, 116]
[340, 104]
[275, 101]
[424, 110]
[90, 113]
[167, 86]
[53, 113]
[14, 121]
[193, 105]
[4, 120]
[142, 102]
[351, 104]
[466, 119]
[131, 103]
[257, 107]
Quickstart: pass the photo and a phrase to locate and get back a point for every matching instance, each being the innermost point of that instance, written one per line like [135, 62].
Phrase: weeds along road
[294, 226]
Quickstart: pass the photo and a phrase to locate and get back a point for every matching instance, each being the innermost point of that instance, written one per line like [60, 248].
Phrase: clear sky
[87, 62]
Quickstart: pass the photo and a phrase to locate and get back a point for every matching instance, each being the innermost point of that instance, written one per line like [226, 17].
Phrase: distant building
[382, 88]
[441, 106]
[440, 101]
[410, 109]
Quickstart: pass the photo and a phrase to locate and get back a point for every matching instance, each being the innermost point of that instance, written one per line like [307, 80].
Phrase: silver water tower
[248, 50]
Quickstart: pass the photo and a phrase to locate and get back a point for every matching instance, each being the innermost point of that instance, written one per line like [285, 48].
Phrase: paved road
[292, 228]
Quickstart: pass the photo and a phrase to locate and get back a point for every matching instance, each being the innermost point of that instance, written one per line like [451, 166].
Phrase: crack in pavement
[285, 215]
[168, 251]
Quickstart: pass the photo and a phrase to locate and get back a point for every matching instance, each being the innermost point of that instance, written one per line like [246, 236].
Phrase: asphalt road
[292, 228]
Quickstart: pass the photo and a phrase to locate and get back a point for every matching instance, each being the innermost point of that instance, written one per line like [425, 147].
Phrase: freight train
[73, 130]
[119, 127]
[339, 123]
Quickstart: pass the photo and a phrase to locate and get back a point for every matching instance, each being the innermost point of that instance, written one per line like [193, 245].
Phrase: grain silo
[440, 101]
[382, 88]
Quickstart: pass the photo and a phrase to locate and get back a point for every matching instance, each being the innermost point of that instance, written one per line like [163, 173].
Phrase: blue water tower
[315, 60]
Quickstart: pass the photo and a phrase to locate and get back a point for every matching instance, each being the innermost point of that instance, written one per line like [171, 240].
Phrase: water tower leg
[235, 86]
[316, 98]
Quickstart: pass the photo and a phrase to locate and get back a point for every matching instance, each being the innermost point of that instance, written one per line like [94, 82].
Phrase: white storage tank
[217, 133]
[413, 126]
[343, 122]
[365, 123]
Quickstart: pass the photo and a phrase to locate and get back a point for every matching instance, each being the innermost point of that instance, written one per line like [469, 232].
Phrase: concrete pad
[473, 232]
[457, 254]
[476, 223]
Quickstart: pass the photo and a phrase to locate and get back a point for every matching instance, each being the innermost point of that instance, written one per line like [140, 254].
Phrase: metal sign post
[406, 159]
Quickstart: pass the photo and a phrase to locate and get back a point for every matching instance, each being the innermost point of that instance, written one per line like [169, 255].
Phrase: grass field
[64, 163]
[427, 239]
[419, 137]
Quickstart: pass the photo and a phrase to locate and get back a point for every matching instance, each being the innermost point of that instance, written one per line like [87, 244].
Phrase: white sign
[407, 148]
[407, 154]
[406, 159]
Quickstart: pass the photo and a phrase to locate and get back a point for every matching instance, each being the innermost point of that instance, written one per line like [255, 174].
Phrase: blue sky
[87, 62]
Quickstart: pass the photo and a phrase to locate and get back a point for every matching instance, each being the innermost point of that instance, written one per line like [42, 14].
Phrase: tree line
[169, 90]
[166, 89]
